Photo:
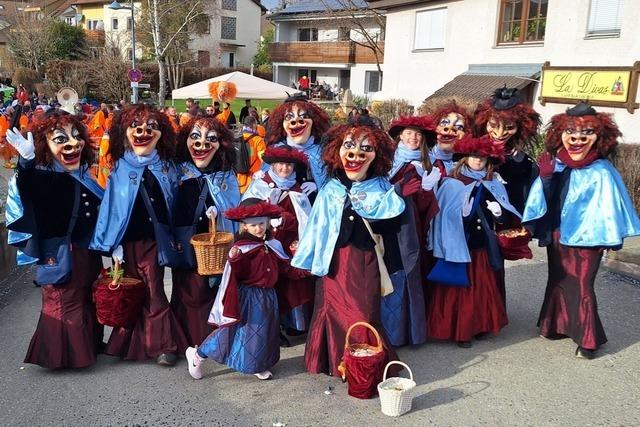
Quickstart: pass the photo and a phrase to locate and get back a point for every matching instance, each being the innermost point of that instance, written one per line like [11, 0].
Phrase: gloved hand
[308, 187]
[430, 180]
[118, 255]
[494, 208]
[211, 212]
[466, 208]
[234, 252]
[275, 222]
[24, 146]
[547, 165]
[411, 187]
[258, 174]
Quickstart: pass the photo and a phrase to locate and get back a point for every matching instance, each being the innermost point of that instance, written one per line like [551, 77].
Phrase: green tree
[261, 57]
[67, 41]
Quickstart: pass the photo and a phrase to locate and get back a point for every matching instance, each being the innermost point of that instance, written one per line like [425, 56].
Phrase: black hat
[296, 97]
[583, 108]
[505, 98]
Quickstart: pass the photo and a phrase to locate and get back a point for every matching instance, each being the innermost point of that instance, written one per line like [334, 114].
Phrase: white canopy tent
[249, 87]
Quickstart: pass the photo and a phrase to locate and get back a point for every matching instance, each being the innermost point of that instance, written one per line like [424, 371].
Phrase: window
[605, 18]
[229, 5]
[344, 34]
[430, 29]
[312, 75]
[114, 24]
[228, 27]
[372, 81]
[522, 21]
[307, 34]
[232, 59]
[69, 21]
[95, 25]
[129, 24]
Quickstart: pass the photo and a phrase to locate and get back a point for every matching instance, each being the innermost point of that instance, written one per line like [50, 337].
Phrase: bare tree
[29, 47]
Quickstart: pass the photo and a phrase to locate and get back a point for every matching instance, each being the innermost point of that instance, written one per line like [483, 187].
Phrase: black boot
[284, 341]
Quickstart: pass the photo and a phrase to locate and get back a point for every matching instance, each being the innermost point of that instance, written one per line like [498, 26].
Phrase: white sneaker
[194, 362]
[264, 375]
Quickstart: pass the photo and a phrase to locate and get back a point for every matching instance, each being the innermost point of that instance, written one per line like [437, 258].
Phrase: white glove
[259, 174]
[466, 207]
[275, 222]
[494, 208]
[118, 255]
[429, 181]
[308, 187]
[24, 146]
[211, 212]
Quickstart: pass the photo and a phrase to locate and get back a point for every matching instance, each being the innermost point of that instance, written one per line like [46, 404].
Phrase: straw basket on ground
[211, 249]
[118, 299]
[362, 364]
[396, 393]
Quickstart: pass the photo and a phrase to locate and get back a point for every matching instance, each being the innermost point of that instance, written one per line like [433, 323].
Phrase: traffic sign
[134, 75]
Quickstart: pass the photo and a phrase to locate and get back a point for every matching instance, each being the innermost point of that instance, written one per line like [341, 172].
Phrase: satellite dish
[67, 97]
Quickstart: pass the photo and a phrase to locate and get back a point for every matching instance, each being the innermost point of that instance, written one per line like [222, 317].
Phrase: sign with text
[606, 86]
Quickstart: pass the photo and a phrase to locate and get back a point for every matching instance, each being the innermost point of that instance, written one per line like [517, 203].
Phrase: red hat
[253, 208]
[423, 123]
[482, 147]
[284, 154]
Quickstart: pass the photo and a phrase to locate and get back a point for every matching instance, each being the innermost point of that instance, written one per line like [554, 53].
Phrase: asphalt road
[513, 379]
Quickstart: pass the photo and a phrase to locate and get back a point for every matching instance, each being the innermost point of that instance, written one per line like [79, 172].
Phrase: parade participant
[246, 307]
[403, 311]
[452, 123]
[51, 214]
[139, 194]
[256, 146]
[577, 208]
[300, 124]
[472, 202]
[207, 185]
[279, 187]
[338, 243]
[513, 125]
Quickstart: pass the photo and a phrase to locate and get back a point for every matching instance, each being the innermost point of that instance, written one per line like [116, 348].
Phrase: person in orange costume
[257, 147]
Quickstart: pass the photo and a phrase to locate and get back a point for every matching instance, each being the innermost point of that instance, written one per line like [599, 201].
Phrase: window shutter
[605, 17]
[430, 29]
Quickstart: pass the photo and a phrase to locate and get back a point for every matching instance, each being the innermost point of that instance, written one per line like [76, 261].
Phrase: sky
[269, 4]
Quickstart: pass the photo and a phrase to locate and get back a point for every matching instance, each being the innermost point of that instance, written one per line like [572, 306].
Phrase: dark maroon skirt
[458, 314]
[570, 306]
[350, 293]
[68, 332]
[157, 331]
[191, 302]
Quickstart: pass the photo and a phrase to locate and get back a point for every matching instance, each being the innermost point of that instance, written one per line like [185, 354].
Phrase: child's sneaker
[195, 362]
[264, 375]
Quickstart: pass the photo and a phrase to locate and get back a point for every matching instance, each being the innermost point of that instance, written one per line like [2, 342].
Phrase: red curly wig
[382, 143]
[602, 123]
[453, 107]
[275, 131]
[223, 159]
[47, 124]
[122, 120]
[523, 115]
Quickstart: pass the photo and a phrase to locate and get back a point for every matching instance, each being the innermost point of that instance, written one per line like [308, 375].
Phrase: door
[344, 80]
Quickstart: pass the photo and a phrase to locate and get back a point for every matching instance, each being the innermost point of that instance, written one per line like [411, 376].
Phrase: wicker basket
[396, 393]
[118, 300]
[211, 249]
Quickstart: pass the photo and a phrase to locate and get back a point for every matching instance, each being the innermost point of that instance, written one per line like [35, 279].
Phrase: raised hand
[24, 146]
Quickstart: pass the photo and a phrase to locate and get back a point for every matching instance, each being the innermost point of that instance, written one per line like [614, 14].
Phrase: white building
[464, 46]
[323, 45]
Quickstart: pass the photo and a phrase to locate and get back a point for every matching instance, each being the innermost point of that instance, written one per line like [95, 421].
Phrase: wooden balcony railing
[344, 52]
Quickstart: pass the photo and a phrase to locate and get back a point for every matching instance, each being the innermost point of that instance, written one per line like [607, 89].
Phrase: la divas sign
[606, 86]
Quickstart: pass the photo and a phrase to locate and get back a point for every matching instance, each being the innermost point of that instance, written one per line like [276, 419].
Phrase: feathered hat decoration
[274, 154]
[481, 147]
[423, 123]
[505, 98]
[223, 91]
[253, 208]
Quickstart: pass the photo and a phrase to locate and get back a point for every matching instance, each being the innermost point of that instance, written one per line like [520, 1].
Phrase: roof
[391, 4]
[315, 6]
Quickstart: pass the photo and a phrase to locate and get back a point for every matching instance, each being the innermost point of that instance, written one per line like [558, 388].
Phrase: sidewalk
[625, 261]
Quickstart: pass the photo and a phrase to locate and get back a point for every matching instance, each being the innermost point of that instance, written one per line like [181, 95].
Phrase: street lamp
[117, 6]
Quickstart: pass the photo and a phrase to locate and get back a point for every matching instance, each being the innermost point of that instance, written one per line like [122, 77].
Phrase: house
[469, 47]
[328, 43]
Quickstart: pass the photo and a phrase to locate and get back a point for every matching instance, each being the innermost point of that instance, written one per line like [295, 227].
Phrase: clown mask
[450, 129]
[203, 145]
[579, 139]
[66, 145]
[143, 135]
[412, 138]
[283, 170]
[500, 131]
[297, 124]
[356, 157]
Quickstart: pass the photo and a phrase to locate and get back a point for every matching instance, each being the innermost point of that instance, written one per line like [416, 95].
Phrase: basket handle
[212, 229]
[114, 283]
[396, 362]
[368, 326]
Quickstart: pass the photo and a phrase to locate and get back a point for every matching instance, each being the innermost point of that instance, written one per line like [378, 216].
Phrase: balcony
[338, 52]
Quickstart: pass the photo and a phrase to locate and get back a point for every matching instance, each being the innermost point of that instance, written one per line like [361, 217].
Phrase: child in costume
[51, 215]
[338, 243]
[578, 207]
[452, 124]
[472, 202]
[138, 199]
[403, 311]
[207, 185]
[279, 186]
[246, 307]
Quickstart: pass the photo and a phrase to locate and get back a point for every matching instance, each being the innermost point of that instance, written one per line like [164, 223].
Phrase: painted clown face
[283, 170]
[143, 135]
[66, 145]
[412, 138]
[203, 143]
[500, 131]
[297, 124]
[578, 139]
[450, 129]
[356, 157]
